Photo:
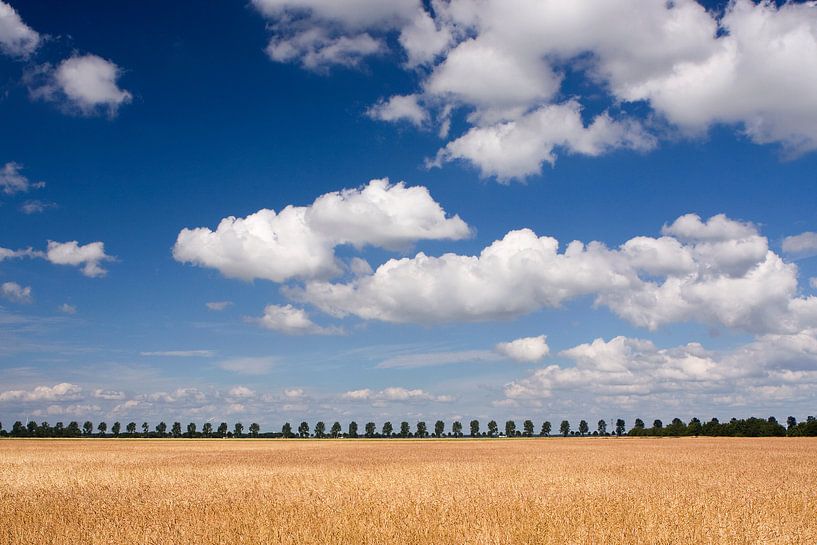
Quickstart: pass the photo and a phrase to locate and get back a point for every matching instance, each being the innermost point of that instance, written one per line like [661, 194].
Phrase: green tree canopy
[474, 428]
[564, 428]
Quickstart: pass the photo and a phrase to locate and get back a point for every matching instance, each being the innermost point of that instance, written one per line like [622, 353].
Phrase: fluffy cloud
[291, 321]
[393, 393]
[752, 66]
[353, 14]
[516, 149]
[59, 392]
[804, 244]
[397, 108]
[320, 34]
[15, 292]
[241, 391]
[626, 371]
[16, 38]
[294, 393]
[299, 241]
[11, 181]
[316, 50]
[101, 393]
[86, 84]
[88, 256]
[719, 272]
[526, 349]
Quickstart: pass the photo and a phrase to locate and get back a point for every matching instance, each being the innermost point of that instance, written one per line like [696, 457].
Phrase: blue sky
[143, 122]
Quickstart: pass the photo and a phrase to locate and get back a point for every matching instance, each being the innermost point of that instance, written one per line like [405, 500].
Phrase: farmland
[578, 491]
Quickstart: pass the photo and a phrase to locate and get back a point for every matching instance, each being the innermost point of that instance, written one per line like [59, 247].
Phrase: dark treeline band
[749, 427]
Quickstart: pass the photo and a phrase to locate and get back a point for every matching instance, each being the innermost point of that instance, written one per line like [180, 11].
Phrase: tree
[191, 430]
[222, 429]
[527, 427]
[145, 429]
[583, 427]
[116, 428]
[657, 424]
[620, 427]
[564, 428]
[388, 429]
[255, 429]
[59, 429]
[176, 430]
[73, 429]
[102, 428]
[320, 429]
[44, 429]
[546, 427]
[131, 428]
[639, 424]
[286, 430]
[439, 428]
[207, 429]
[353, 429]
[695, 427]
[161, 428]
[474, 428]
[239, 429]
[791, 422]
[456, 428]
[422, 431]
[31, 428]
[602, 427]
[493, 429]
[303, 430]
[17, 429]
[405, 431]
[510, 428]
[87, 427]
[371, 429]
[336, 429]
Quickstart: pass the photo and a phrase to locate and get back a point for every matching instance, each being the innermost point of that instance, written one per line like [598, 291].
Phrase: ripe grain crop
[550, 491]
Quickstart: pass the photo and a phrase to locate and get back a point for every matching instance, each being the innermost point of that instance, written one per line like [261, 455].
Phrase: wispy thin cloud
[180, 354]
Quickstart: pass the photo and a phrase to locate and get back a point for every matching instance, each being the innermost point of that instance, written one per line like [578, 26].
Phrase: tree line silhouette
[749, 427]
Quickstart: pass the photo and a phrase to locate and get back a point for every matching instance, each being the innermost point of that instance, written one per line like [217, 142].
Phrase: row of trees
[750, 427]
[73, 429]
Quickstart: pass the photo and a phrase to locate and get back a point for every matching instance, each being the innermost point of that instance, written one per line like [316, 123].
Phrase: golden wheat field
[566, 491]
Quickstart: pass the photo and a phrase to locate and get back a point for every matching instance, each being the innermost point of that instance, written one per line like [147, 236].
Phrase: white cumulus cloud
[397, 108]
[59, 392]
[526, 349]
[291, 321]
[88, 256]
[751, 66]
[12, 181]
[87, 84]
[299, 241]
[17, 39]
[718, 272]
[804, 244]
[15, 292]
